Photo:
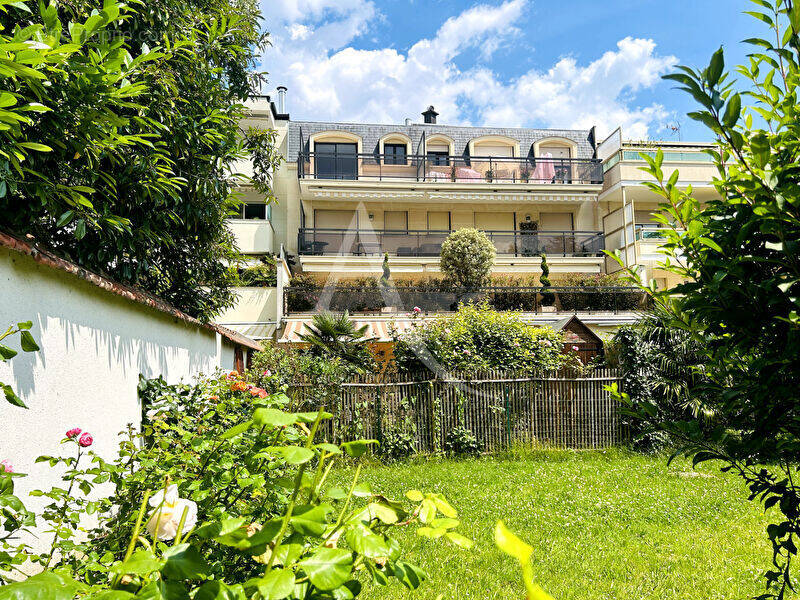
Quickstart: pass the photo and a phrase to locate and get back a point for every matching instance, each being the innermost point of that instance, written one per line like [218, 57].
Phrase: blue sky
[567, 64]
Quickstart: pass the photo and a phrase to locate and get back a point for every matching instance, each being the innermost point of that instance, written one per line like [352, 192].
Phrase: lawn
[604, 524]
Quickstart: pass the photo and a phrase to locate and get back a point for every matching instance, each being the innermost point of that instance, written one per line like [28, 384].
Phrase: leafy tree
[548, 297]
[336, 336]
[740, 259]
[129, 137]
[467, 257]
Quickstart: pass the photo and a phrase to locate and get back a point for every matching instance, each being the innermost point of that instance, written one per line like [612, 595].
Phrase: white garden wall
[94, 344]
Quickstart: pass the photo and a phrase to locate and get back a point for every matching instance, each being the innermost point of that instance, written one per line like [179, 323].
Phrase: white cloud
[330, 80]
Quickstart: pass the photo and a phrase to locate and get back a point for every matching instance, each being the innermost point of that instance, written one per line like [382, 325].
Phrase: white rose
[168, 515]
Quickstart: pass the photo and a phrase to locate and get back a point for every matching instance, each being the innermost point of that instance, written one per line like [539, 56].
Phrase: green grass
[604, 525]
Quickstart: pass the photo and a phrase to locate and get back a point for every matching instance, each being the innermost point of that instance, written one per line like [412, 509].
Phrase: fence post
[379, 428]
[508, 416]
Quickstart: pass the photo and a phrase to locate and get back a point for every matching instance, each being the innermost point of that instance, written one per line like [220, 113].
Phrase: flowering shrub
[241, 508]
[479, 338]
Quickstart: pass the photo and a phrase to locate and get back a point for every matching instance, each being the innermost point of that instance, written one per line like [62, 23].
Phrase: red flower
[258, 392]
[213, 397]
[233, 375]
[86, 440]
[239, 386]
[73, 433]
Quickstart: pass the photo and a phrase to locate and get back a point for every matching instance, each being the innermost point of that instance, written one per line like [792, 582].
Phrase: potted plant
[525, 174]
[453, 173]
[489, 175]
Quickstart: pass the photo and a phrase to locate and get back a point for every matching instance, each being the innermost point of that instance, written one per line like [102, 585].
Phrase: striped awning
[378, 330]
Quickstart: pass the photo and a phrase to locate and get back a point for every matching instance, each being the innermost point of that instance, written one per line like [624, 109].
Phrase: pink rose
[417, 309]
[6, 466]
[73, 433]
[86, 440]
[575, 348]
[466, 352]
[267, 373]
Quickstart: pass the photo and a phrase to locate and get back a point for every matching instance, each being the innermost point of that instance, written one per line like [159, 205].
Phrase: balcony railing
[347, 242]
[651, 232]
[404, 299]
[444, 169]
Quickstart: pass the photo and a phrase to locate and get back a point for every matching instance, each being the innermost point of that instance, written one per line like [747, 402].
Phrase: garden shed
[578, 335]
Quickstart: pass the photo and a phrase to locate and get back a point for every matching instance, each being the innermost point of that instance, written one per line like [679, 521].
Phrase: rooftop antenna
[675, 128]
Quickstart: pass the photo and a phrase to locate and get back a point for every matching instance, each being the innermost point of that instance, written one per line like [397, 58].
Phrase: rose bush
[240, 510]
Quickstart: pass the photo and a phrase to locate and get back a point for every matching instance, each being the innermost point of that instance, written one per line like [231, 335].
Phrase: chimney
[430, 115]
[282, 99]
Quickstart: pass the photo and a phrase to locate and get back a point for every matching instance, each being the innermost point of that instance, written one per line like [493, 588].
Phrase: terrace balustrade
[427, 243]
[351, 166]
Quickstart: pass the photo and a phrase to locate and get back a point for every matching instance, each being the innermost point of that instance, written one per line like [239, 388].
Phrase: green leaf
[34, 146]
[11, 397]
[236, 430]
[271, 417]
[415, 495]
[336, 493]
[732, 111]
[274, 585]
[25, 325]
[162, 590]
[6, 353]
[409, 575]
[184, 562]
[294, 455]
[142, 562]
[364, 541]
[27, 342]
[710, 243]
[357, 447]
[794, 18]
[65, 218]
[328, 568]
[511, 544]
[715, 67]
[383, 513]
[311, 519]
[459, 540]
[44, 586]
[216, 590]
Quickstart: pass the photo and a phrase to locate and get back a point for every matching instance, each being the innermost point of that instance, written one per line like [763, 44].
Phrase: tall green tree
[740, 258]
[129, 162]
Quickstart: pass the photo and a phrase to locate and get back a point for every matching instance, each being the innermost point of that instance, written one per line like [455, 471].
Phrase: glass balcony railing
[424, 243]
[655, 231]
[444, 169]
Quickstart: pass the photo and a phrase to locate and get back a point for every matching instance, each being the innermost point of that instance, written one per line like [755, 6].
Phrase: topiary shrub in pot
[548, 297]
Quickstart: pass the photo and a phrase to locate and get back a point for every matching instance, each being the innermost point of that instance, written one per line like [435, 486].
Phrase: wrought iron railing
[406, 299]
[443, 169]
[367, 242]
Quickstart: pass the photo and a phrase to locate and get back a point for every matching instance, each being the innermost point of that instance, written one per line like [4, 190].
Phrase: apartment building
[628, 207]
[349, 193]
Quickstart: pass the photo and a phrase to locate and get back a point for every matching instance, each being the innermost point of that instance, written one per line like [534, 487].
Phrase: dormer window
[394, 154]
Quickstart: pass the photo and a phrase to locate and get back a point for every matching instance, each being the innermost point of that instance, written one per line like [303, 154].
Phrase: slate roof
[370, 134]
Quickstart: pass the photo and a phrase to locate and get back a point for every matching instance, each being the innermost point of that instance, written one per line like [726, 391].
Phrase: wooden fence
[562, 409]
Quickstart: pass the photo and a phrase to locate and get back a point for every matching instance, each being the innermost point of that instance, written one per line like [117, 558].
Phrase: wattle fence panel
[559, 409]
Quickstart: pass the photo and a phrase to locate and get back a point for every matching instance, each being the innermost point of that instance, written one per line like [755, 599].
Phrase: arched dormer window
[395, 148]
[557, 147]
[335, 154]
[439, 148]
[493, 145]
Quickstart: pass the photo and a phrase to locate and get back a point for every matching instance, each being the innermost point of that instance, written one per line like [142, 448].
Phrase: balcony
[426, 243]
[253, 236]
[448, 169]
